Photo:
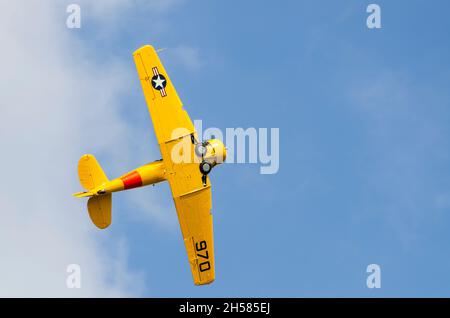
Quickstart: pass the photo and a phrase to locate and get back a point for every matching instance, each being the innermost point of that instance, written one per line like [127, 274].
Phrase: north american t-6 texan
[188, 179]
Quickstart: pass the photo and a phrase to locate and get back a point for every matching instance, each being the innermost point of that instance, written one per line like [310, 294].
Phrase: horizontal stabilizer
[99, 208]
[83, 194]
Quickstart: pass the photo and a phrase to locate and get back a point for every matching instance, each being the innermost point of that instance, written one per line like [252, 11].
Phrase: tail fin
[99, 208]
[91, 175]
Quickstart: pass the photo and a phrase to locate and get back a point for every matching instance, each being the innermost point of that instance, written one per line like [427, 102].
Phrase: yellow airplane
[185, 164]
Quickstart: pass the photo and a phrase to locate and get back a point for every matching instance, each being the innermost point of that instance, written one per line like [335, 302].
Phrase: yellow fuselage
[150, 173]
[155, 172]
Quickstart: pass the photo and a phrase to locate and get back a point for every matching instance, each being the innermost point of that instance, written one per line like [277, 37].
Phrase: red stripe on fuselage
[132, 180]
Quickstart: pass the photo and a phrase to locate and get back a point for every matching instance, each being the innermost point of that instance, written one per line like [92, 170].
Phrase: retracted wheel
[200, 149]
[205, 167]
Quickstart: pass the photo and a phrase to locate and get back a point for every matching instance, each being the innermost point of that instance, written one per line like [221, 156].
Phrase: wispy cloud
[188, 57]
[54, 106]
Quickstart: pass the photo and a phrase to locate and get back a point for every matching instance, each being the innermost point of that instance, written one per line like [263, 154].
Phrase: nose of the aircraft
[220, 151]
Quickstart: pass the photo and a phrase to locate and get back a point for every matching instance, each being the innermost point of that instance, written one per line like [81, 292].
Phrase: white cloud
[186, 56]
[54, 105]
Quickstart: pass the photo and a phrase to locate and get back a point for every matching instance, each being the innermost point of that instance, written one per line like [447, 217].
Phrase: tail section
[91, 176]
[83, 194]
[99, 208]
[90, 173]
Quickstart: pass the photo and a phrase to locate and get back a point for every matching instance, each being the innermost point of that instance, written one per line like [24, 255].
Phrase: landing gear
[200, 149]
[205, 167]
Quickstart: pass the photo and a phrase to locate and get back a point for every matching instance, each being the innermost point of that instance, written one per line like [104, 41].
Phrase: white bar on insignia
[163, 92]
[155, 71]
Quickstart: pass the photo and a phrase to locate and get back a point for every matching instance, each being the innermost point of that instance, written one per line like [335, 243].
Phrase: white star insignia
[159, 82]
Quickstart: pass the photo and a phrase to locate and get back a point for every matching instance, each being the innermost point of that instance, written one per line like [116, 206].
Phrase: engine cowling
[216, 153]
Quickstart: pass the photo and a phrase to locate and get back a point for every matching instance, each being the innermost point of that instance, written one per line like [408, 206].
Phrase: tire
[200, 149]
[205, 168]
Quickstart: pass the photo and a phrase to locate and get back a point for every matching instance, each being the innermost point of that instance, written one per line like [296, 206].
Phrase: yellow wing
[194, 215]
[164, 105]
[173, 129]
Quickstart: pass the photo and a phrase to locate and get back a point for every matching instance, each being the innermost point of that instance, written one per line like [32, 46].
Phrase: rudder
[90, 173]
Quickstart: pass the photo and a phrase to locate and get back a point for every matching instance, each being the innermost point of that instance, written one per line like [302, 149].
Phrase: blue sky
[364, 149]
[364, 119]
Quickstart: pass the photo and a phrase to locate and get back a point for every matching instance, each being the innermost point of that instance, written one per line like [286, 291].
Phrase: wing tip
[144, 48]
[205, 282]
